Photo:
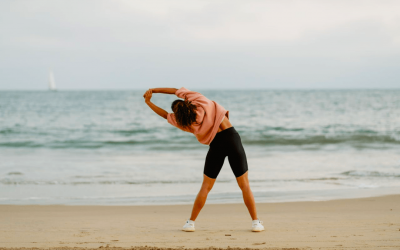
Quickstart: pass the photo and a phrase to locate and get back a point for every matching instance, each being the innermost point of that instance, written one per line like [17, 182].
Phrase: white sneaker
[189, 226]
[257, 226]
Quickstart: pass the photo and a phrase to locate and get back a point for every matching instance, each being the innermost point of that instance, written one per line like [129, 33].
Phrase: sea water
[109, 148]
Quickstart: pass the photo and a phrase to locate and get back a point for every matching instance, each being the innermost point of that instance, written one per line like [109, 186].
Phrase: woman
[209, 122]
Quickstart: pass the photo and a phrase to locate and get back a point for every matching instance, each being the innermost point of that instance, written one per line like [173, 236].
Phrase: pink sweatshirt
[209, 115]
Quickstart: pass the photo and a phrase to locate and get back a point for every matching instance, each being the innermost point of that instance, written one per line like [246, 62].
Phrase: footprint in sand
[259, 243]
[82, 234]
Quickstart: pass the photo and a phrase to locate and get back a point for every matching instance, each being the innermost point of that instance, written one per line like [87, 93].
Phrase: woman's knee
[206, 187]
[243, 181]
[244, 185]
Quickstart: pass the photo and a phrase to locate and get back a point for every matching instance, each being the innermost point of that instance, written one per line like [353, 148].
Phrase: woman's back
[209, 116]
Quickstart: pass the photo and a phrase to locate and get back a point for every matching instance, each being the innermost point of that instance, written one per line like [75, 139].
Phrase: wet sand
[367, 223]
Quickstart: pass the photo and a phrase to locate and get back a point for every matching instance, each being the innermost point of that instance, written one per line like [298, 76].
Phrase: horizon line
[229, 89]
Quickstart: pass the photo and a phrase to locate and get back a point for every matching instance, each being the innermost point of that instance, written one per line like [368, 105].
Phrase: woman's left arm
[159, 111]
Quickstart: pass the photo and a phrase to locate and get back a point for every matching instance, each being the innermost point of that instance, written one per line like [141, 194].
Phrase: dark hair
[185, 113]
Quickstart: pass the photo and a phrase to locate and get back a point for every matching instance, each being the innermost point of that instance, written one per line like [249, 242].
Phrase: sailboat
[52, 83]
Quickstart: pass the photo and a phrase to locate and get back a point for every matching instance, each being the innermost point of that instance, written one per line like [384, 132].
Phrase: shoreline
[362, 223]
[261, 198]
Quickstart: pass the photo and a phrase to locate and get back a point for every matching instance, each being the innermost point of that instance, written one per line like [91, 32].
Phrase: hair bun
[184, 112]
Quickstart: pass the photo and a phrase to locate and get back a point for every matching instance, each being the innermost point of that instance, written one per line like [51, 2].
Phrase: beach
[110, 112]
[365, 223]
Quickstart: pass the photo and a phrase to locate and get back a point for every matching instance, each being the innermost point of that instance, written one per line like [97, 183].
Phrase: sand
[368, 223]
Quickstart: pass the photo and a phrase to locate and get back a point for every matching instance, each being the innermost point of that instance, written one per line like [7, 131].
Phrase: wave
[357, 173]
[15, 173]
[78, 144]
[168, 138]
[187, 143]
[92, 180]
[321, 140]
[105, 182]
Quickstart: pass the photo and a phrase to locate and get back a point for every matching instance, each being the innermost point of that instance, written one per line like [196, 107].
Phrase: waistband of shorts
[230, 130]
[224, 133]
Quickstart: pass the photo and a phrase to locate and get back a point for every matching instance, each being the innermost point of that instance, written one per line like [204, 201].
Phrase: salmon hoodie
[209, 116]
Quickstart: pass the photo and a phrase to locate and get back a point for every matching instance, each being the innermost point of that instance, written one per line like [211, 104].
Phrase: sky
[248, 44]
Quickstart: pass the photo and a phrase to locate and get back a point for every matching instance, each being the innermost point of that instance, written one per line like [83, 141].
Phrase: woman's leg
[201, 198]
[243, 182]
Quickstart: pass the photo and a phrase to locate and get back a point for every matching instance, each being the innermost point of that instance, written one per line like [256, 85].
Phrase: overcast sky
[125, 44]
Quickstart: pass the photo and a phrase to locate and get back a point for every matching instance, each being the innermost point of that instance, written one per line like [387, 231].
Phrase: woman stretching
[209, 122]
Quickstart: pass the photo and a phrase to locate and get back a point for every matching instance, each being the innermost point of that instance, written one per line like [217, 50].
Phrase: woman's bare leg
[201, 198]
[243, 182]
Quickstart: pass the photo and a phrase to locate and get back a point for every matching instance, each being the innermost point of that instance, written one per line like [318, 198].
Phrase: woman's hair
[185, 113]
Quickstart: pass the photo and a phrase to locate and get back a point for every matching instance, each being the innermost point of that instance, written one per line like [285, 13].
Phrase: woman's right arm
[164, 90]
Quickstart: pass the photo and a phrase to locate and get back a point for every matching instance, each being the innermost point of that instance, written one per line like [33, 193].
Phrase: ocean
[109, 148]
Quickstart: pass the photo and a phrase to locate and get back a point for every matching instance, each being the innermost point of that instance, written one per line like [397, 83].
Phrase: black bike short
[226, 143]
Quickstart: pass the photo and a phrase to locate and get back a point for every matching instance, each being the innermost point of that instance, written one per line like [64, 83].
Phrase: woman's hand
[147, 96]
[161, 112]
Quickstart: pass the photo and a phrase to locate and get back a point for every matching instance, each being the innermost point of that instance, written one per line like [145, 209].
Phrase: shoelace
[190, 223]
[259, 222]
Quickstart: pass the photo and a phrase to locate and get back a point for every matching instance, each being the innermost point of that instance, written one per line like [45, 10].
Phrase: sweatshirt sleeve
[191, 96]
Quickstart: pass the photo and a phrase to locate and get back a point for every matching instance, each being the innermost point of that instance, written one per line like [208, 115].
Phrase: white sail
[52, 83]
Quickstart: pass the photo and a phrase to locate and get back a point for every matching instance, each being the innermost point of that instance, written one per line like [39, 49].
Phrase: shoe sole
[188, 230]
[257, 230]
